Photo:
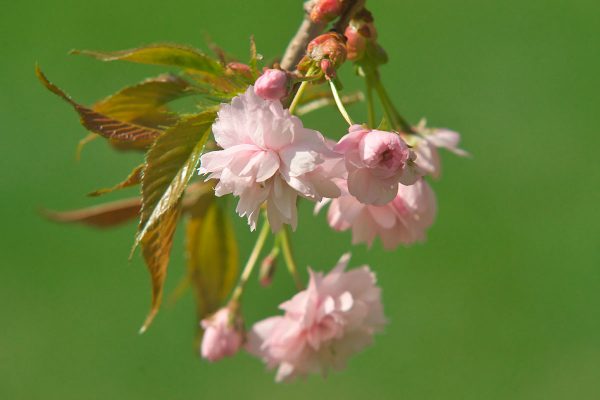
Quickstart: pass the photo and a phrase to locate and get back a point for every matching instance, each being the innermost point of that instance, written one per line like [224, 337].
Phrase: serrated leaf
[156, 249]
[103, 125]
[102, 216]
[212, 256]
[134, 178]
[170, 163]
[161, 54]
[144, 103]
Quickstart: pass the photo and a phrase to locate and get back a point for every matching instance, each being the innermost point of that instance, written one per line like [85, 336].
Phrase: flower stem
[339, 103]
[370, 106]
[298, 95]
[395, 118]
[286, 247]
[258, 246]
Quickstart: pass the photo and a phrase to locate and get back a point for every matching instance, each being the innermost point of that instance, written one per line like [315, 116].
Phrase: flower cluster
[373, 177]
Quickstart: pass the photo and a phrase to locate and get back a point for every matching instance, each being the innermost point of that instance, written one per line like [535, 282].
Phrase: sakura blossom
[376, 161]
[427, 143]
[322, 326]
[222, 335]
[404, 220]
[268, 157]
[272, 84]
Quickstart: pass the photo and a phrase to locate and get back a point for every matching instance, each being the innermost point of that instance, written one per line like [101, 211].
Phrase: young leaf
[161, 54]
[103, 125]
[212, 256]
[170, 163]
[144, 103]
[134, 178]
[156, 249]
[101, 216]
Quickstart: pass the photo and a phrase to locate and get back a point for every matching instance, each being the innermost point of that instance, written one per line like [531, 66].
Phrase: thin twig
[308, 30]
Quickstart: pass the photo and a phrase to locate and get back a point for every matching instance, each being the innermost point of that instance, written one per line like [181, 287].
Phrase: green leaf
[134, 178]
[170, 163]
[212, 256]
[101, 216]
[161, 54]
[118, 131]
[144, 103]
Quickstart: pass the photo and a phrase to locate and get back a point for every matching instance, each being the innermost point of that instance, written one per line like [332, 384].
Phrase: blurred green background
[502, 302]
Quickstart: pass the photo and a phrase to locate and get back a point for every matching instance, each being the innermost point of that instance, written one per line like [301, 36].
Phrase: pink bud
[272, 85]
[326, 10]
[222, 335]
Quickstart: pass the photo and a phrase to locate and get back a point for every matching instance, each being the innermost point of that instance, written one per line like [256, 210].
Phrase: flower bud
[237, 68]
[272, 85]
[223, 335]
[325, 11]
[361, 38]
[267, 268]
[327, 52]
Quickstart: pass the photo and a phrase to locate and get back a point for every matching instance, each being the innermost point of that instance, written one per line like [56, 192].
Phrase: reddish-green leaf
[144, 103]
[103, 125]
[101, 216]
[170, 163]
[134, 178]
[161, 54]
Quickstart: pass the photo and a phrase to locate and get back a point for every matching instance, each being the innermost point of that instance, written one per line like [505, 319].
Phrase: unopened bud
[223, 334]
[239, 68]
[326, 11]
[329, 47]
[272, 85]
[361, 38]
[267, 268]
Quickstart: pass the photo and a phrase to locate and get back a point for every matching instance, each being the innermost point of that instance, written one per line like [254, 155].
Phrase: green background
[502, 302]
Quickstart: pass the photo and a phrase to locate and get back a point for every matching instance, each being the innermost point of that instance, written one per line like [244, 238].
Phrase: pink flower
[426, 147]
[323, 325]
[402, 221]
[222, 336]
[376, 162]
[272, 85]
[267, 156]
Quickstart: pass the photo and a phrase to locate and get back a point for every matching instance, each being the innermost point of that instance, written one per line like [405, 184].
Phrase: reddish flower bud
[326, 11]
[272, 85]
[361, 38]
[267, 269]
[234, 68]
[327, 51]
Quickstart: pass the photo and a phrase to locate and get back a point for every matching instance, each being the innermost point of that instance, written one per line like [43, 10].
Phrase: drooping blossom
[267, 156]
[404, 220]
[335, 317]
[376, 161]
[427, 143]
[272, 84]
[223, 335]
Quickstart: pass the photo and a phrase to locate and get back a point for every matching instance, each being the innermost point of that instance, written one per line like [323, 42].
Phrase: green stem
[258, 246]
[286, 248]
[339, 103]
[297, 97]
[395, 118]
[370, 105]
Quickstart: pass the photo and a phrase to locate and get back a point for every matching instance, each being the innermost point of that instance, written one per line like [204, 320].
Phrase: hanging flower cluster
[246, 140]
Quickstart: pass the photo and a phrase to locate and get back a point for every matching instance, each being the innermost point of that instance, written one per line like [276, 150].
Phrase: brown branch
[308, 30]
